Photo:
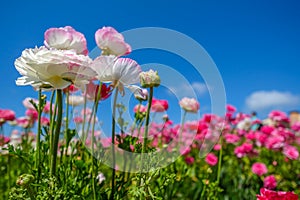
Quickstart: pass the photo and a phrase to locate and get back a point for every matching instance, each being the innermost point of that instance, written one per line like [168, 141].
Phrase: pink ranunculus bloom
[266, 194]
[217, 147]
[189, 105]
[211, 159]
[267, 129]
[111, 42]
[33, 114]
[189, 160]
[53, 69]
[296, 126]
[47, 107]
[66, 38]
[6, 115]
[159, 105]
[243, 150]
[231, 138]
[78, 120]
[291, 152]
[24, 122]
[230, 108]
[140, 108]
[4, 140]
[259, 168]
[45, 121]
[270, 182]
[277, 115]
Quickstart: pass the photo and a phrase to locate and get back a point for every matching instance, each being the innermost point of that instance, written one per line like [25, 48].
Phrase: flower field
[57, 150]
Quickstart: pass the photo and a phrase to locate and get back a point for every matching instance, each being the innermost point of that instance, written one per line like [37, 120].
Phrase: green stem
[112, 194]
[39, 130]
[84, 119]
[67, 123]
[220, 160]
[97, 98]
[51, 126]
[181, 128]
[57, 131]
[147, 120]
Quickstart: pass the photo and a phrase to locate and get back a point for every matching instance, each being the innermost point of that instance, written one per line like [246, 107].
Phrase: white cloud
[189, 90]
[262, 100]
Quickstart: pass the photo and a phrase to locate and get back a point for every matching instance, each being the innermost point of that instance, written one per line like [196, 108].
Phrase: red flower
[159, 105]
[266, 194]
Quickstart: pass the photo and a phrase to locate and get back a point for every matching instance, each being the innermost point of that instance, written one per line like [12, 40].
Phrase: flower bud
[25, 179]
[149, 79]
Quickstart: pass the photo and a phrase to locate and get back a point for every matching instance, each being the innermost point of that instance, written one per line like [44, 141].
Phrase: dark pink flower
[270, 182]
[140, 108]
[211, 159]
[189, 160]
[266, 194]
[33, 114]
[230, 108]
[92, 91]
[231, 138]
[291, 152]
[259, 168]
[6, 115]
[277, 115]
[243, 150]
[45, 121]
[159, 105]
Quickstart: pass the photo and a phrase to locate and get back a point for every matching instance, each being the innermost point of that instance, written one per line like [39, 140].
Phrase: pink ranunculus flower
[211, 159]
[159, 105]
[291, 152]
[189, 160]
[270, 182]
[231, 138]
[277, 115]
[266, 194]
[6, 115]
[189, 105]
[111, 42]
[53, 69]
[259, 168]
[66, 38]
[230, 108]
[27, 104]
[140, 108]
[32, 114]
[45, 121]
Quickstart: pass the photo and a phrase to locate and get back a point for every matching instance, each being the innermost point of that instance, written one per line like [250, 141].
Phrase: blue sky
[255, 44]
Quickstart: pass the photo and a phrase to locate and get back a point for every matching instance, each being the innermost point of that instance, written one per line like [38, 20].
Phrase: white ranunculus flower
[121, 72]
[52, 68]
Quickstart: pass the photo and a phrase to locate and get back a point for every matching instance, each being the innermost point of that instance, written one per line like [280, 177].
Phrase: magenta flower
[259, 168]
[111, 42]
[66, 38]
[270, 182]
[230, 108]
[231, 138]
[243, 150]
[189, 160]
[266, 194]
[159, 105]
[32, 114]
[211, 159]
[92, 91]
[189, 105]
[291, 152]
